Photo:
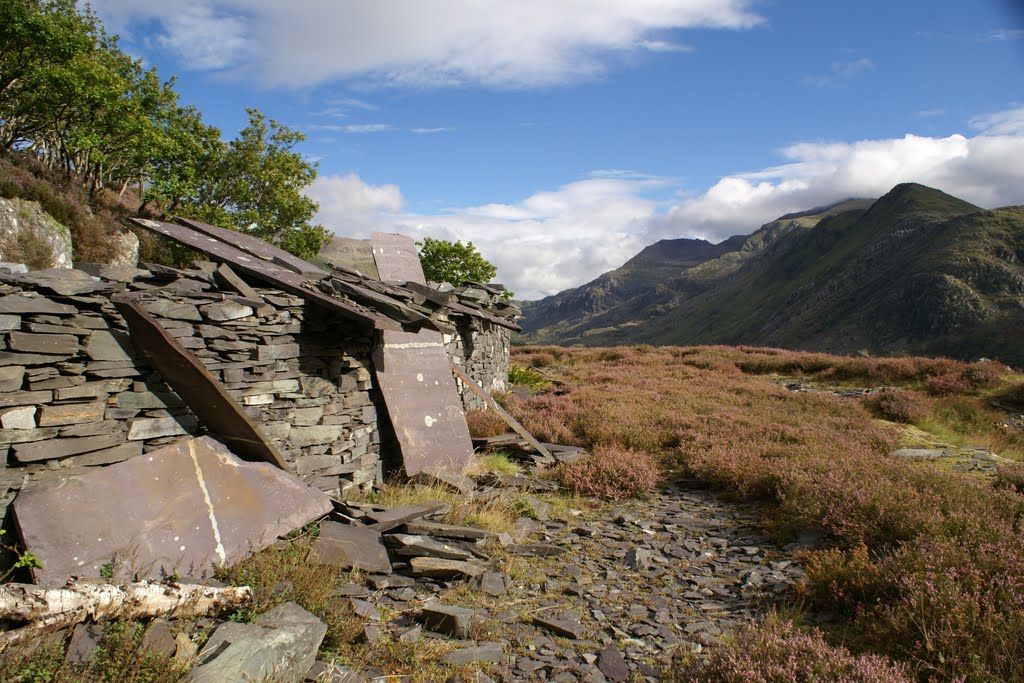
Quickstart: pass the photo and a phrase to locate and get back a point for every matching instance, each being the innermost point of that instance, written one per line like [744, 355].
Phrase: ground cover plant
[925, 564]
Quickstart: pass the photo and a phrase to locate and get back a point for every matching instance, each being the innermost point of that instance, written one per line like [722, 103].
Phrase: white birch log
[53, 608]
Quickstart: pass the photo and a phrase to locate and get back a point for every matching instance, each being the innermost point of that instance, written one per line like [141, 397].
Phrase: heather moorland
[922, 561]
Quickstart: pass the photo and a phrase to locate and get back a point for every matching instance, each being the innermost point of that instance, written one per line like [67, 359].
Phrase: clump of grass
[611, 473]
[527, 376]
[117, 659]
[283, 573]
[495, 514]
[776, 651]
[898, 405]
[496, 462]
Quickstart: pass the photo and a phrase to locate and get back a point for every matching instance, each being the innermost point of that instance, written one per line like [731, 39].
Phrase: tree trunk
[53, 608]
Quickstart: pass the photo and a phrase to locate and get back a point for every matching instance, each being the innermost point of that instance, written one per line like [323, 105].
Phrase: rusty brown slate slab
[502, 413]
[396, 257]
[274, 275]
[180, 510]
[422, 402]
[202, 393]
[257, 247]
[412, 372]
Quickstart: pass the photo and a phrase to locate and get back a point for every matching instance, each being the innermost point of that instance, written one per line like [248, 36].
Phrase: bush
[898, 405]
[775, 651]
[484, 423]
[611, 473]
[527, 376]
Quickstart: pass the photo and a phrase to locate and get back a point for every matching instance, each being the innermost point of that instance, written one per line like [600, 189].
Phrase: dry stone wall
[73, 393]
[480, 345]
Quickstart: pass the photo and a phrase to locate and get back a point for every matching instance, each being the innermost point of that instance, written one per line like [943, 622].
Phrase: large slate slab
[350, 547]
[414, 376]
[279, 645]
[180, 510]
[413, 373]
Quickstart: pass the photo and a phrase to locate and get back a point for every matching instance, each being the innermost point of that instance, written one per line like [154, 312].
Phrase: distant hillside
[915, 271]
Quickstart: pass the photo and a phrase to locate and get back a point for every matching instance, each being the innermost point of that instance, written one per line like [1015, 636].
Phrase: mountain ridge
[915, 271]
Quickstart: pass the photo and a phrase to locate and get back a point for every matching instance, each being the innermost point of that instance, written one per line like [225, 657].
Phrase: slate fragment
[350, 547]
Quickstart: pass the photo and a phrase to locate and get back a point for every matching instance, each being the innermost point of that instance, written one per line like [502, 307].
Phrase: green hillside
[916, 271]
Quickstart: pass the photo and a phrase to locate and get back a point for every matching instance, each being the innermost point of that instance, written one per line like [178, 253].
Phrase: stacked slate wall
[302, 373]
[74, 395]
[482, 349]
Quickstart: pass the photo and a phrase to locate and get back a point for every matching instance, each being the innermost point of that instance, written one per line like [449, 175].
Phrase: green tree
[255, 185]
[453, 262]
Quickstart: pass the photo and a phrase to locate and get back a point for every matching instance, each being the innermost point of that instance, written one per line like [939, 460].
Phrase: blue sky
[562, 136]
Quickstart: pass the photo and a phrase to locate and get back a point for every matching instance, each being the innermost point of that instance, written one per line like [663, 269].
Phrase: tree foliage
[71, 98]
[453, 262]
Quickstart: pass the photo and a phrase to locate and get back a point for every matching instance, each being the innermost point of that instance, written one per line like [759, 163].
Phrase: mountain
[916, 271]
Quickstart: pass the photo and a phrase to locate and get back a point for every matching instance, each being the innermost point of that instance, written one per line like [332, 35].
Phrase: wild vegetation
[75, 103]
[924, 563]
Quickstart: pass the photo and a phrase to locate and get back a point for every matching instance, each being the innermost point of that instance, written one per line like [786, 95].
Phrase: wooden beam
[502, 413]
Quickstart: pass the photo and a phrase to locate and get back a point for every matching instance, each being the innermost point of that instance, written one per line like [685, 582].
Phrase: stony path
[648, 579]
[635, 585]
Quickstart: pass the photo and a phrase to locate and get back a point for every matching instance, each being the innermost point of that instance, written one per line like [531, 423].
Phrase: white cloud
[367, 128]
[420, 42]
[430, 131]
[841, 70]
[351, 207]
[1007, 34]
[562, 238]
[203, 38]
[1007, 122]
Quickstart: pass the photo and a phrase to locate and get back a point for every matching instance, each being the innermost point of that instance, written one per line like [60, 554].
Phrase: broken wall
[74, 395]
[482, 340]
[482, 350]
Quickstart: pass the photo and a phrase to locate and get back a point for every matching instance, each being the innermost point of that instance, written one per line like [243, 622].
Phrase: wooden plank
[202, 393]
[273, 275]
[257, 247]
[502, 413]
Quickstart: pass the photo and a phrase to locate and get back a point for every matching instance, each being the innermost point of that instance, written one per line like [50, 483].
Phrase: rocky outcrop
[31, 236]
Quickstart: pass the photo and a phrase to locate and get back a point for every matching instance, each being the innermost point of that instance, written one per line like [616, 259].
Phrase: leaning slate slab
[180, 510]
[279, 645]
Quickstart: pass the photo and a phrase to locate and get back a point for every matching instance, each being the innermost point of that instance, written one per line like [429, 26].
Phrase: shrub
[898, 405]
[947, 384]
[527, 376]
[776, 651]
[484, 423]
[611, 473]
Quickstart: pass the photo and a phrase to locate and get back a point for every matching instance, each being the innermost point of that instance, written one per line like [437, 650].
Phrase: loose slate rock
[565, 624]
[389, 519]
[279, 645]
[486, 652]
[437, 568]
[351, 547]
[613, 665]
[180, 510]
[448, 620]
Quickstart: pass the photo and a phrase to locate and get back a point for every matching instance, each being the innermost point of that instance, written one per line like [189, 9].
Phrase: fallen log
[46, 609]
